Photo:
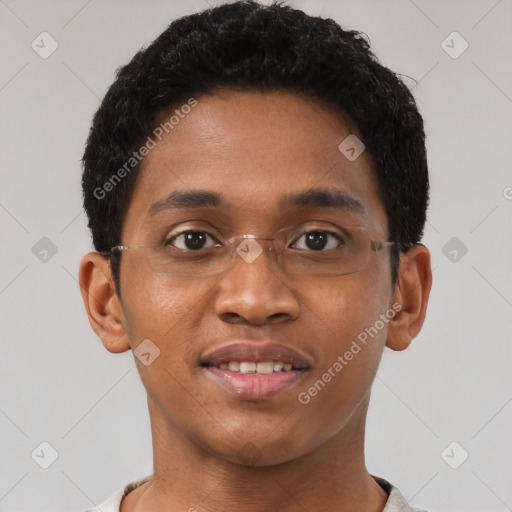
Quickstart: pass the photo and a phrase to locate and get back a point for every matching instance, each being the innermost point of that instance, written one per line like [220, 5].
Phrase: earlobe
[101, 302]
[412, 291]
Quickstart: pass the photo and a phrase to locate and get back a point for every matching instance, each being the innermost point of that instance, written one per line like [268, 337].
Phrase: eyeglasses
[320, 250]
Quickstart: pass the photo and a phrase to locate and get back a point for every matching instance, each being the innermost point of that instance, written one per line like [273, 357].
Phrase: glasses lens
[327, 254]
[314, 252]
[178, 262]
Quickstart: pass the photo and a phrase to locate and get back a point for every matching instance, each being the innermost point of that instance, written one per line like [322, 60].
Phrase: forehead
[255, 151]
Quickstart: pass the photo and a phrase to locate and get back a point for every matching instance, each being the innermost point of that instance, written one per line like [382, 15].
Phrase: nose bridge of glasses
[250, 247]
[247, 242]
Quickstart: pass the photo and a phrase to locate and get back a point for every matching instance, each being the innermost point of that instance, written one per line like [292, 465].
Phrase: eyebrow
[323, 198]
[180, 199]
[316, 198]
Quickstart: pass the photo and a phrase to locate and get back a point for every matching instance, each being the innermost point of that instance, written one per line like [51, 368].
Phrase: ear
[102, 303]
[412, 291]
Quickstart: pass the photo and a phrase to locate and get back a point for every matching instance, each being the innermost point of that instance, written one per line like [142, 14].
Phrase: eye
[191, 240]
[318, 241]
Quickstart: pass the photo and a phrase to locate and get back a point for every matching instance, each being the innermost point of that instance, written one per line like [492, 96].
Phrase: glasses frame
[375, 246]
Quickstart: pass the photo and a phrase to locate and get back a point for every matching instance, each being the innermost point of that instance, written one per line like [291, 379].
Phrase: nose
[254, 290]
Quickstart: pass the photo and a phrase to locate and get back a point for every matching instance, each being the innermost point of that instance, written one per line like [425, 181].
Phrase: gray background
[59, 385]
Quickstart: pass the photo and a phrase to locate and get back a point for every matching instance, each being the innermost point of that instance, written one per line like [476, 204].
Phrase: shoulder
[113, 503]
[396, 502]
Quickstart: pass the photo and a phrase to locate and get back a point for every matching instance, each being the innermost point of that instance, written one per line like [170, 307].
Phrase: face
[254, 151]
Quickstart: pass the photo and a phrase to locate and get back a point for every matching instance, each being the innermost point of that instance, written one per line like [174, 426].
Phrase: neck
[188, 477]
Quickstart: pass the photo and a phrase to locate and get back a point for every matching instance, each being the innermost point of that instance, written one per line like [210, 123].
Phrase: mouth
[255, 372]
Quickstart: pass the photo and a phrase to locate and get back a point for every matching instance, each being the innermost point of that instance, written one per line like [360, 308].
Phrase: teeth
[265, 367]
[261, 368]
[247, 367]
[234, 366]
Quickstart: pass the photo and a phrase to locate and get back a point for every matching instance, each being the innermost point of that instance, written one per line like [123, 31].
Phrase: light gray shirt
[396, 502]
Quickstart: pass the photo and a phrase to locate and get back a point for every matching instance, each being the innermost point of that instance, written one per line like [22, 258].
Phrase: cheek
[346, 305]
[348, 314]
[154, 308]
[164, 313]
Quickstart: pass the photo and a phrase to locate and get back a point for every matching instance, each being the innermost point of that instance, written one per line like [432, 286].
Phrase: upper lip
[255, 352]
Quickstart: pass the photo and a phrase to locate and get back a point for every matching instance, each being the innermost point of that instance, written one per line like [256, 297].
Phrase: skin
[253, 148]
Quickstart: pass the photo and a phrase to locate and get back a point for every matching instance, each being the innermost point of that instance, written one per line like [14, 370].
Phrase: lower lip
[250, 386]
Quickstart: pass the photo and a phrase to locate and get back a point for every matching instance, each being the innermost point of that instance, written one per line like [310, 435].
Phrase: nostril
[230, 316]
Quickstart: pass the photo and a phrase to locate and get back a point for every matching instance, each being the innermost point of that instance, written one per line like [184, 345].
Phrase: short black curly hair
[245, 45]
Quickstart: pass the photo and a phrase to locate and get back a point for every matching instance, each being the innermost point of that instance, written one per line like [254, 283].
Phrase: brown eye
[190, 240]
[318, 241]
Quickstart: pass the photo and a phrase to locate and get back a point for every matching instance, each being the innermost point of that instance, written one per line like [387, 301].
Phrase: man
[256, 185]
